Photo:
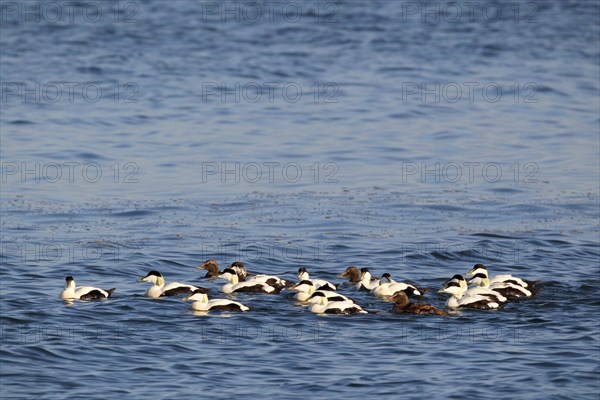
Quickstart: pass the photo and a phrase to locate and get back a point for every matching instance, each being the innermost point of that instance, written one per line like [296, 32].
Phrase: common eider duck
[240, 270]
[330, 294]
[272, 280]
[159, 289]
[367, 282]
[72, 292]
[403, 306]
[459, 280]
[212, 268]
[391, 287]
[304, 276]
[233, 285]
[306, 291]
[482, 269]
[353, 275]
[244, 276]
[323, 306]
[458, 300]
[507, 289]
[202, 303]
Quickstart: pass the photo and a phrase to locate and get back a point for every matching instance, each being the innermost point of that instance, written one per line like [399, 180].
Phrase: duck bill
[186, 298]
[141, 279]
[202, 266]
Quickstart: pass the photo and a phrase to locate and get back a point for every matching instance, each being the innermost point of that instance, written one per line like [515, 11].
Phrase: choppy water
[382, 134]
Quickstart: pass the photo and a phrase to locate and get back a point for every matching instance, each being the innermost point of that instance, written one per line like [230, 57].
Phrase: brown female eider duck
[403, 306]
[212, 267]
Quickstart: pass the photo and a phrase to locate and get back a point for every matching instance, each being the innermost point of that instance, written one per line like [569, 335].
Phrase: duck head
[303, 274]
[153, 277]
[211, 266]
[197, 295]
[477, 268]
[480, 279]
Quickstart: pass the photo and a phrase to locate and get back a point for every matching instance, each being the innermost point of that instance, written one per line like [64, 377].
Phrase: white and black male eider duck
[458, 300]
[72, 292]
[509, 287]
[403, 306]
[159, 289]
[270, 285]
[304, 288]
[459, 280]
[482, 270]
[306, 291]
[323, 306]
[240, 270]
[245, 276]
[320, 283]
[330, 294]
[391, 287]
[201, 302]
[367, 282]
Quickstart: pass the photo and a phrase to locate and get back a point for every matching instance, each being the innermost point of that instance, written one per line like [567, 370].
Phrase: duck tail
[422, 290]
[278, 288]
[110, 292]
[532, 283]
[535, 289]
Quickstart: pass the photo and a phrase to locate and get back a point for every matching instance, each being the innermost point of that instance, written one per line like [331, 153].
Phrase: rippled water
[383, 134]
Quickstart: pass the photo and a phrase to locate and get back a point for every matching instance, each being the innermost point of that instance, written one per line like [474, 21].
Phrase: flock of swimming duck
[322, 297]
